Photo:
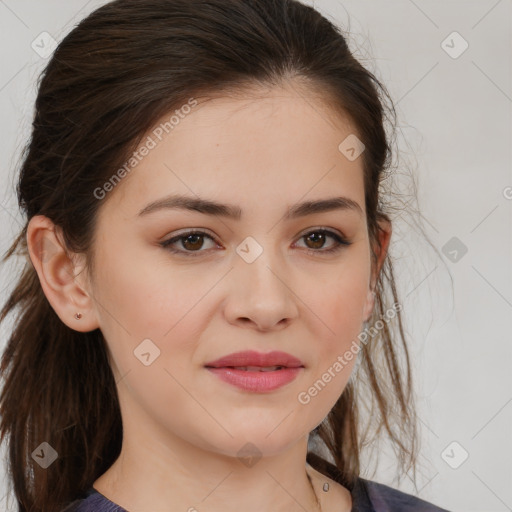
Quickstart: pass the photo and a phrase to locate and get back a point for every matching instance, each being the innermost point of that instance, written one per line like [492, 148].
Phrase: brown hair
[112, 77]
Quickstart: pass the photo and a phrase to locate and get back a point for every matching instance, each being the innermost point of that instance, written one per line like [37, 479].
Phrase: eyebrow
[209, 207]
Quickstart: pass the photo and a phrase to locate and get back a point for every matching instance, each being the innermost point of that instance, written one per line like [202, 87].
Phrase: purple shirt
[367, 496]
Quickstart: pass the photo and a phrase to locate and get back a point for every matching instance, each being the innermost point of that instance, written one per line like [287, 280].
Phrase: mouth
[256, 379]
[252, 368]
[256, 371]
[250, 360]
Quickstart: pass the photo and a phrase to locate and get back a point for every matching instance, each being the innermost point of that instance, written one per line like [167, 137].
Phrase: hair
[117, 73]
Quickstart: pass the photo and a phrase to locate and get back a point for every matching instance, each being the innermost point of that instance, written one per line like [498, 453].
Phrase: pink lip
[257, 381]
[253, 358]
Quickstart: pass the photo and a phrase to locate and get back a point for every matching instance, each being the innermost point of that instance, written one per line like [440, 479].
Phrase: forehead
[280, 142]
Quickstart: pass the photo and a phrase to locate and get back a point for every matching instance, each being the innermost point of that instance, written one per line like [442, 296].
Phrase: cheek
[339, 308]
[152, 319]
[143, 292]
[338, 300]
[152, 302]
[337, 304]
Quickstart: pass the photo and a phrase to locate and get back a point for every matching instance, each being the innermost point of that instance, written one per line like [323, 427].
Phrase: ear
[381, 250]
[62, 282]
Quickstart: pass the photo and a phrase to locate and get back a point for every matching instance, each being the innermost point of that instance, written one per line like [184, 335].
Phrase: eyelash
[340, 242]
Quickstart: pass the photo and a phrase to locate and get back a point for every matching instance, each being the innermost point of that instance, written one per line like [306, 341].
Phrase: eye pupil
[195, 238]
[318, 239]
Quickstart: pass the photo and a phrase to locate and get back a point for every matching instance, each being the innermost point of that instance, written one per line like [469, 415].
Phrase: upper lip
[253, 358]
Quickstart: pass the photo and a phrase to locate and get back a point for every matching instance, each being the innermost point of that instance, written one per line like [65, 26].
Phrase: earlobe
[58, 275]
[369, 305]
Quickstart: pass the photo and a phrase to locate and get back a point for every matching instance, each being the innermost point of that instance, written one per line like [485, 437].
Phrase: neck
[145, 478]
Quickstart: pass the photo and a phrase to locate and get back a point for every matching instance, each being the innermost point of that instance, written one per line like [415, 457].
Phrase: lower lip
[256, 381]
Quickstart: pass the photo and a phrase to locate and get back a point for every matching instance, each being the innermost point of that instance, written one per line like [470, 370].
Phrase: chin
[248, 447]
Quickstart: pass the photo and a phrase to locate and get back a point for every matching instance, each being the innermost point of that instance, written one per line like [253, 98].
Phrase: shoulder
[382, 498]
[93, 502]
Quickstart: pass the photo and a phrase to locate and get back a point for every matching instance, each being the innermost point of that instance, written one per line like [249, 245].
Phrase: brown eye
[316, 239]
[191, 242]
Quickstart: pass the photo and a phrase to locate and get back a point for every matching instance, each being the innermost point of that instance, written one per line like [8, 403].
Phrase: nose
[261, 295]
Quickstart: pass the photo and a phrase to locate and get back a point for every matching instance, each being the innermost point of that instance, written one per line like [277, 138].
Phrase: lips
[250, 360]
[256, 372]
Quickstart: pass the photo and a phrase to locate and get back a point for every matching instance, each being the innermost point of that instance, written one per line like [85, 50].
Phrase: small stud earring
[78, 316]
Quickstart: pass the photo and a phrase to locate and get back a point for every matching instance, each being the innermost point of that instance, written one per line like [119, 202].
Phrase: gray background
[455, 136]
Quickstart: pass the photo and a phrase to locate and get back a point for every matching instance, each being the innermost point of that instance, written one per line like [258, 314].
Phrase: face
[168, 302]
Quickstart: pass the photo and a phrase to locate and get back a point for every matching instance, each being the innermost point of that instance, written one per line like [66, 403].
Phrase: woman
[208, 290]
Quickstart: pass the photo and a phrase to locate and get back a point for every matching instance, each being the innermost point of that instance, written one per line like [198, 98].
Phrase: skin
[183, 426]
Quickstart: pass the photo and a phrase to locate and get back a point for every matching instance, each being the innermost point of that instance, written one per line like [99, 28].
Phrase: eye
[191, 241]
[317, 238]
